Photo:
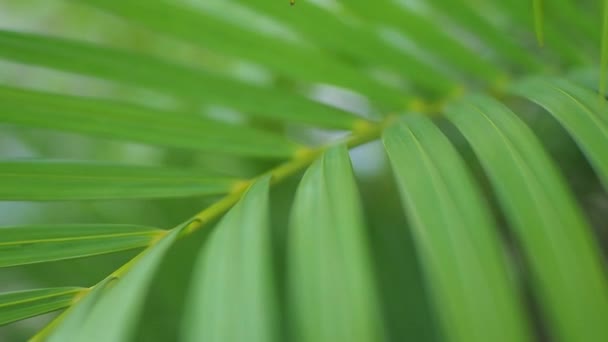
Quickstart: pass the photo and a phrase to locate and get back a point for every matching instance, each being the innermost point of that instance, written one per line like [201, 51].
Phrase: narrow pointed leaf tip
[15, 306]
[456, 237]
[44, 243]
[49, 180]
[233, 279]
[331, 287]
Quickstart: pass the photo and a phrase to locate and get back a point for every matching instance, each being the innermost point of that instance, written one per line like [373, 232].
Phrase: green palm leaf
[43, 243]
[115, 315]
[153, 73]
[233, 281]
[429, 36]
[41, 180]
[15, 306]
[281, 55]
[288, 78]
[569, 280]
[378, 52]
[469, 17]
[332, 294]
[128, 122]
[579, 111]
[457, 240]
[70, 320]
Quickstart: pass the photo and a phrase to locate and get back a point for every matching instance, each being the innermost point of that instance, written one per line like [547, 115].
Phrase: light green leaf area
[474, 21]
[332, 33]
[331, 288]
[233, 280]
[43, 243]
[554, 37]
[456, 238]
[122, 121]
[578, 110]
[569, 280]
[15, 306]
[587, 78]
[63, 326]
[48, 180]
[426, 33]
[200, 26]
[152, 73]
[116, 313]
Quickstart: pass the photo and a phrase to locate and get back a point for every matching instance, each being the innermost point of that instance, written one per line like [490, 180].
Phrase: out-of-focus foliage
[472, 205]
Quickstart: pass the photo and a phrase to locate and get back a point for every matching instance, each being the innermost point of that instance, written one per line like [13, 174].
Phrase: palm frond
[455, 236]
[330, 277]
[233, 277]
[40, 180]
[18, 305]
[43, 243]
[444, 84]
[563, 258]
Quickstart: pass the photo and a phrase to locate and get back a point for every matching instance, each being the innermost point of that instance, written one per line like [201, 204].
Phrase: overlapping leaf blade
[344, 48]
[117, 311]
[456, 238]
[569, 280]
[64, 325]
[578, 110]
[468, 16]
[518, 13]
[42, 180]
[426, 33]
[331, 291]
[283, 56]
[15, 306]
[149, 72]
[233, 280]
[377, 52]
[42, 243]
[135, 123]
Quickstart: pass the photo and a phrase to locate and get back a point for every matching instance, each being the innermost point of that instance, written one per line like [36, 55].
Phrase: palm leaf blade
[456, 238]
[578, 110]
[43, 180]
[115, 314]
[378, 52]
[232, 281]
[564, 260]
[157, 74]
[63, 326]
[199, 27]
[135, 123]
[15, 306]
[43, 243]
[331, 288]
[430, 36]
